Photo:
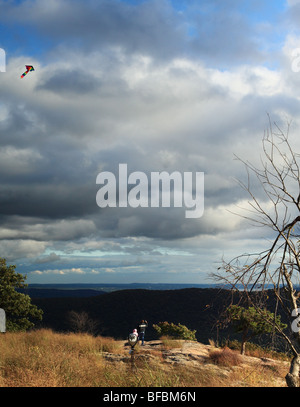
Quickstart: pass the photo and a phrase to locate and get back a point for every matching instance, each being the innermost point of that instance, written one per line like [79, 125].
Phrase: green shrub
[178, 331]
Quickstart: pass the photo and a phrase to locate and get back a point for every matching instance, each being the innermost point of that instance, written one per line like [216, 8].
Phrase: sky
[159, 85]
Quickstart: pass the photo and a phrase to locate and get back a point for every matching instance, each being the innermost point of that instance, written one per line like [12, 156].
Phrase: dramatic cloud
[158, 86]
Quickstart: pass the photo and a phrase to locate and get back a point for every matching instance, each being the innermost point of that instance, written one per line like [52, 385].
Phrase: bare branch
[274, 204]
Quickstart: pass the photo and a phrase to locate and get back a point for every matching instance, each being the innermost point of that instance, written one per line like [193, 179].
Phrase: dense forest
[117, 313]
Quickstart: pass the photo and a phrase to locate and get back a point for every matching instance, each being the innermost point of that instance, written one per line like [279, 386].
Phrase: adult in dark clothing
[142, 328]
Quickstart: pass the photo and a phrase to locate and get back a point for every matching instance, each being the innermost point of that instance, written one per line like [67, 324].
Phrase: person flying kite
[28, 69]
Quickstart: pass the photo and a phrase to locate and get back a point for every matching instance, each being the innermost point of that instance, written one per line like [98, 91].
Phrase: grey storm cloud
[52, 257]
[70, 81]
[53, 201]
[55, 178]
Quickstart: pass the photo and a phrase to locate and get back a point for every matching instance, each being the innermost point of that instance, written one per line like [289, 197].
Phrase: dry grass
[169, 343]
[258, 351]
[225, 357]
[44, 358]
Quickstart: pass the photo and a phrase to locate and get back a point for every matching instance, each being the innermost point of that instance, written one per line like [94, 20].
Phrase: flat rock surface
[197, 355]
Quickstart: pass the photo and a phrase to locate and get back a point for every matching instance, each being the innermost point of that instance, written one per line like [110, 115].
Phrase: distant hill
[117, 287]
[118, 313]
[55, 293]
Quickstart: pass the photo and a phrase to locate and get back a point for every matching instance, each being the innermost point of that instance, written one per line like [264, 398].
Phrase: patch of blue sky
[270, 22]
[17, 40]
[180, 5]
[268, 19]
[258, 11]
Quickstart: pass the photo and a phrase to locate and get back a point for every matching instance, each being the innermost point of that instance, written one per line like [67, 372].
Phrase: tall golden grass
[44, 358]
[225, 357]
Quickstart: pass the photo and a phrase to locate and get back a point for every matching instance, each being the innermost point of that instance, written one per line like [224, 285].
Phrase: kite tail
[23, 74]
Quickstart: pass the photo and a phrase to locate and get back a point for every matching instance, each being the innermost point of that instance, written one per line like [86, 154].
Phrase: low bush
[225, 357]
[172, 330]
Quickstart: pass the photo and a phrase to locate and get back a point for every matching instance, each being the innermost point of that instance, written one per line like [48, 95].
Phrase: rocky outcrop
[196, 355]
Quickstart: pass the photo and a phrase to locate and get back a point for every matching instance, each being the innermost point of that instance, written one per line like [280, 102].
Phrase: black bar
[137, 396]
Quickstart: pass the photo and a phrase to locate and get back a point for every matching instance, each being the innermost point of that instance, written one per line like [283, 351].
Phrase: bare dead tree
[81, 322]
[274, 204]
